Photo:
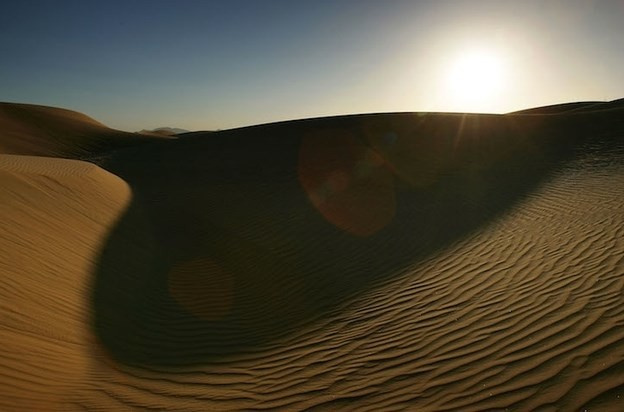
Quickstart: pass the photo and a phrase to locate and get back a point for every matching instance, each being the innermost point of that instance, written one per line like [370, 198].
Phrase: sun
[475, 80]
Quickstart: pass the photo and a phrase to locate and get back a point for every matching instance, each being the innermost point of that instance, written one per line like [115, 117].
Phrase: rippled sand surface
[380, 262]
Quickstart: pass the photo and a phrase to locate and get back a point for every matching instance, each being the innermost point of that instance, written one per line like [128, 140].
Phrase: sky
[206, 65]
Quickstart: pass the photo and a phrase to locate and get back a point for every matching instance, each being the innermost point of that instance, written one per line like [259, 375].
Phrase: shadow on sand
[225, 249]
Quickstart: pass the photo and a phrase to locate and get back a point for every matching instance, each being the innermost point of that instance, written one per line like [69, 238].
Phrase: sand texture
[427, 262]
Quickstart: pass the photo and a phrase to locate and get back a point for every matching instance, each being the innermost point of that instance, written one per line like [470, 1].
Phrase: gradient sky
[206, 64]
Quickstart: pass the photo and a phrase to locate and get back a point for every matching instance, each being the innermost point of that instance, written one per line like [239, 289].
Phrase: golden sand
[380, 262]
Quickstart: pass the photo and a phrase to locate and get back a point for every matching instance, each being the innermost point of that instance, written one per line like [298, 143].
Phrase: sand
[49, 131]
[56, 214]
[426, 262]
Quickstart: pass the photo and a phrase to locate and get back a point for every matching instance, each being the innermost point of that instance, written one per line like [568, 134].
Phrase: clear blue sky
[218, 64]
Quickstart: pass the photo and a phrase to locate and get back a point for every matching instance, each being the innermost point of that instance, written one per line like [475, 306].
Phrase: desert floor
[412, 261]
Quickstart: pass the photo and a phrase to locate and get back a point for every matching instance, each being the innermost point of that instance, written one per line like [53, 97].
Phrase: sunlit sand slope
[28, 129]
[55, 215]
[380, 262]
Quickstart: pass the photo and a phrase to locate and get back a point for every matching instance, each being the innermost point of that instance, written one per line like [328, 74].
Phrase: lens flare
[347, 182]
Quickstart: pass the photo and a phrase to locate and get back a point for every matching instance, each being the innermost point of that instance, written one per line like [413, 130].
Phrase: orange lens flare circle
[347, 182]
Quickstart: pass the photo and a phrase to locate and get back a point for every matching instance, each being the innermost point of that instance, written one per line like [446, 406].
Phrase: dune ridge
[27, 129]
[573, 107]
[436, 262]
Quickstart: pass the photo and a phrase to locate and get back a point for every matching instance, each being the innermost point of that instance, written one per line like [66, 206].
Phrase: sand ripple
[222, 283]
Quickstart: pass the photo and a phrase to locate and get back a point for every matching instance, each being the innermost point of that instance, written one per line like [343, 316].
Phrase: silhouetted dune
[574, 107]
[48, 131]
[559, 108]
[371, 262]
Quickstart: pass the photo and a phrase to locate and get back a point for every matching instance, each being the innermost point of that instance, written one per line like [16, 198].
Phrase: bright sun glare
[475, 80]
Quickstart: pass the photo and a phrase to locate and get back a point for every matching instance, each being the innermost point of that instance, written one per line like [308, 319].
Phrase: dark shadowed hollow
[236, 239]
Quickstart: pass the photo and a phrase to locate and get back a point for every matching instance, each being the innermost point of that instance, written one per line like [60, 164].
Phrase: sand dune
[27, 129]
[377, 262]
[574, 107]
[561, 108]
[56, 214]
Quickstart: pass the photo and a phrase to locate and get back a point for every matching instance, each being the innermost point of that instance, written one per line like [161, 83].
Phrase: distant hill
[164, 131]
[28, 129]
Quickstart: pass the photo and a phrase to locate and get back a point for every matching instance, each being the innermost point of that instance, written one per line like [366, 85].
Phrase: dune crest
[49, 131]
